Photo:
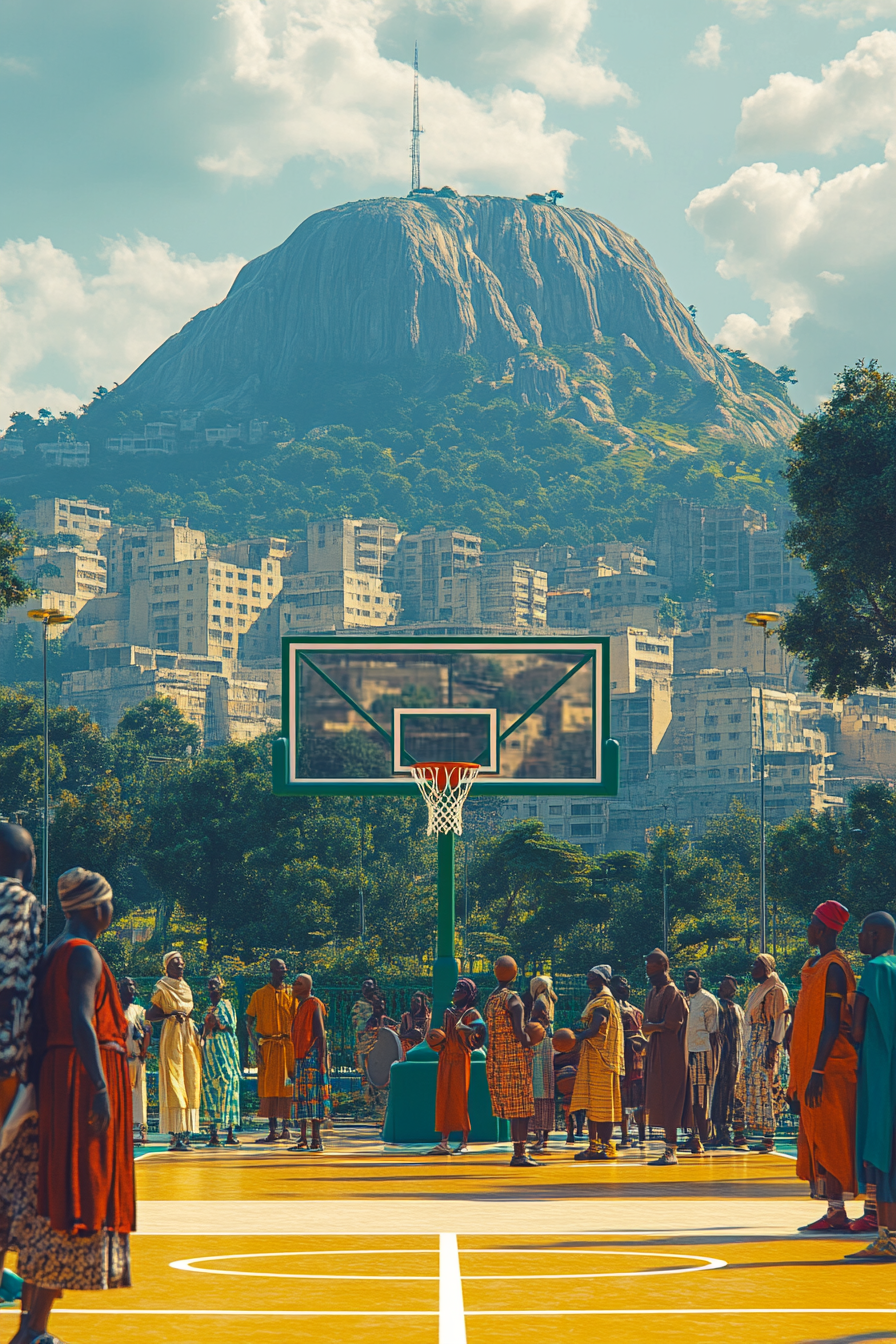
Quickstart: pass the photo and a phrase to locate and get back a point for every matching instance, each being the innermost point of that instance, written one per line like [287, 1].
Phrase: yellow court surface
[260, 1245]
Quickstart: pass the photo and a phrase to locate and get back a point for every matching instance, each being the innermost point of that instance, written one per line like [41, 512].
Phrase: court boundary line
[452, 1318]
[601, 1311]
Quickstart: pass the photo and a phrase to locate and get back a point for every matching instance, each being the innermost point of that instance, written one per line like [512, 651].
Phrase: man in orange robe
[453, 1081]
[269, 1017]
[823, 1064]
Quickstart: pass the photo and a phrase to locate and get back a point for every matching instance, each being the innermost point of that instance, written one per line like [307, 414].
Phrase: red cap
[832, 914]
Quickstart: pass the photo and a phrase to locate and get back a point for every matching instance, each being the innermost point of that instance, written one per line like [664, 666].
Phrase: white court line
[452, 1323]
[196, 1264]
[605, 1311]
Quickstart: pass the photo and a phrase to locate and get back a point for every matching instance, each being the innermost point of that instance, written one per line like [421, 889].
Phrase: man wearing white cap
[601, 1065]
[180, 1055]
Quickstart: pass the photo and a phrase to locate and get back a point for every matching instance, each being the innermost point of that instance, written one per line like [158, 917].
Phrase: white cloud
[818, 252]
[322, 89]
[631, 141]
[856, 96]
[708, 48]
[540, 41]
[849, 12]
[62, 330]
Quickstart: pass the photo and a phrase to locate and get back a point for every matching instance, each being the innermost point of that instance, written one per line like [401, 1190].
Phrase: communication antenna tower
[415, 129]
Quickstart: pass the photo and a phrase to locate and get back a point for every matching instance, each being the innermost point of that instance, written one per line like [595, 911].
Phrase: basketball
[564, 1040]
[565, 1081]
[435, 1039]
[535, 1032]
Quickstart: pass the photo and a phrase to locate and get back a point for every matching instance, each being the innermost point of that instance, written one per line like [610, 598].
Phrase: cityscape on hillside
[159, 611]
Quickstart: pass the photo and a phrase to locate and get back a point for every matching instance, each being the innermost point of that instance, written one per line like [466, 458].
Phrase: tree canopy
[842, 480]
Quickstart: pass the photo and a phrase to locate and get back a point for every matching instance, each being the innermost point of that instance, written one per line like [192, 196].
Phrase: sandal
[300, 1147]
[441, 1150]
[316, 1147]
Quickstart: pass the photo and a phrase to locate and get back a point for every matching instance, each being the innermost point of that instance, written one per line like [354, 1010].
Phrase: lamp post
[47, 616]
[763, 619]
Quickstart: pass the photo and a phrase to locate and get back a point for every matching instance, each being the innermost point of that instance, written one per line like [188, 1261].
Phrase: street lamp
[763, 619]
[47, 616]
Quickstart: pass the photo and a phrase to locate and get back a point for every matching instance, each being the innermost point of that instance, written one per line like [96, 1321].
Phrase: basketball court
[261, 1245]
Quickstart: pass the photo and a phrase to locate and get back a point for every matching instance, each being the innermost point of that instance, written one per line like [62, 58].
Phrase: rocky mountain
[367, 285]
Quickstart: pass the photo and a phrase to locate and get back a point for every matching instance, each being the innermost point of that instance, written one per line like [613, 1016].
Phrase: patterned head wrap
[604, 971]
[540, 986]
[21, 918]
[80, 890]
[767, 960]
[175, 952]
[471, 987]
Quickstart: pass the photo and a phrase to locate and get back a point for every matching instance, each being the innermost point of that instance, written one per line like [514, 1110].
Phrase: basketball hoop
[445, 786]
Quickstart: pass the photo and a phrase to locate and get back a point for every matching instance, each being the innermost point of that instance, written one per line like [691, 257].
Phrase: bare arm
[154, 1013]
[318, 1031]
[598, 1018]
[859, 1018]
[515, 1008]
[835, 993]
[84, 970]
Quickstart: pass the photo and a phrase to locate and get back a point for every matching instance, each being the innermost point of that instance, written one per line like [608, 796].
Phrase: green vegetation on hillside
[420, 446]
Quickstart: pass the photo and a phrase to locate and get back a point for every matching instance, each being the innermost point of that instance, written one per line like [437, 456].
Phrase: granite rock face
[370, 283]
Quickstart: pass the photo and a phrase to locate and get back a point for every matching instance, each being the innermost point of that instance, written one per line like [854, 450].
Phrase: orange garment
[302, 1025]
[827, 1134]
[8, 1089]
[85, 1180]
[453, 1081]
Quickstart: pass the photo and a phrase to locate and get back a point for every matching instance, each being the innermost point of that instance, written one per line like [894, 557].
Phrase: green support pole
[444, 972]
[410, 1112]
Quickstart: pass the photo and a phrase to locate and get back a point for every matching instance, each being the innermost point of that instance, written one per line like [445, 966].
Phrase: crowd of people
[696, 1062]
[73, 1051]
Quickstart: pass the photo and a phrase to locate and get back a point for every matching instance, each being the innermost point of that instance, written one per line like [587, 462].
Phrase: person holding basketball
[508, 1065]
[454, 1045]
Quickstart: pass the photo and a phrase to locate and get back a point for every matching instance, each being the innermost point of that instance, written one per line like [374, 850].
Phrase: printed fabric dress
[602, 1063]
[79, 1234]
[311, 1089]
[508, 1065]
[221, 1072]
[763, 1095]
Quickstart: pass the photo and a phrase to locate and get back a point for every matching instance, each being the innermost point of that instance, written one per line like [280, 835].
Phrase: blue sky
[147, 149]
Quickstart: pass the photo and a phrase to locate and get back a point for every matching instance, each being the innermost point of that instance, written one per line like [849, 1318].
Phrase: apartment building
[224, 708]
[65, 570]
[512, 594]
[65, 453]
[202, 606]
[156, 438]
[424, 568]
[354, 545]
[77, 518]
[569, 609]
[132, 550]
[749, 562]
[637, 656]
[341, 600]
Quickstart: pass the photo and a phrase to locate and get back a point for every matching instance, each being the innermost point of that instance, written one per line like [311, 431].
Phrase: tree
[785, 375]
[158, 728]
[670, 614]
[532, 888]
[23, 649]
[13, 540]
[842, 481]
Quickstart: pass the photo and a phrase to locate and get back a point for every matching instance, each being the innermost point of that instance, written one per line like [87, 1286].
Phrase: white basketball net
[445, 786]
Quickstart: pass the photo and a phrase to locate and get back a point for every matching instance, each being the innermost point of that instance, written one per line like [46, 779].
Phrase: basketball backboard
[533, 712]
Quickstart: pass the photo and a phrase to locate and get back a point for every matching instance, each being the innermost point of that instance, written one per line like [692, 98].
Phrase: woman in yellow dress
[180, 1055]
[601, 1066]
